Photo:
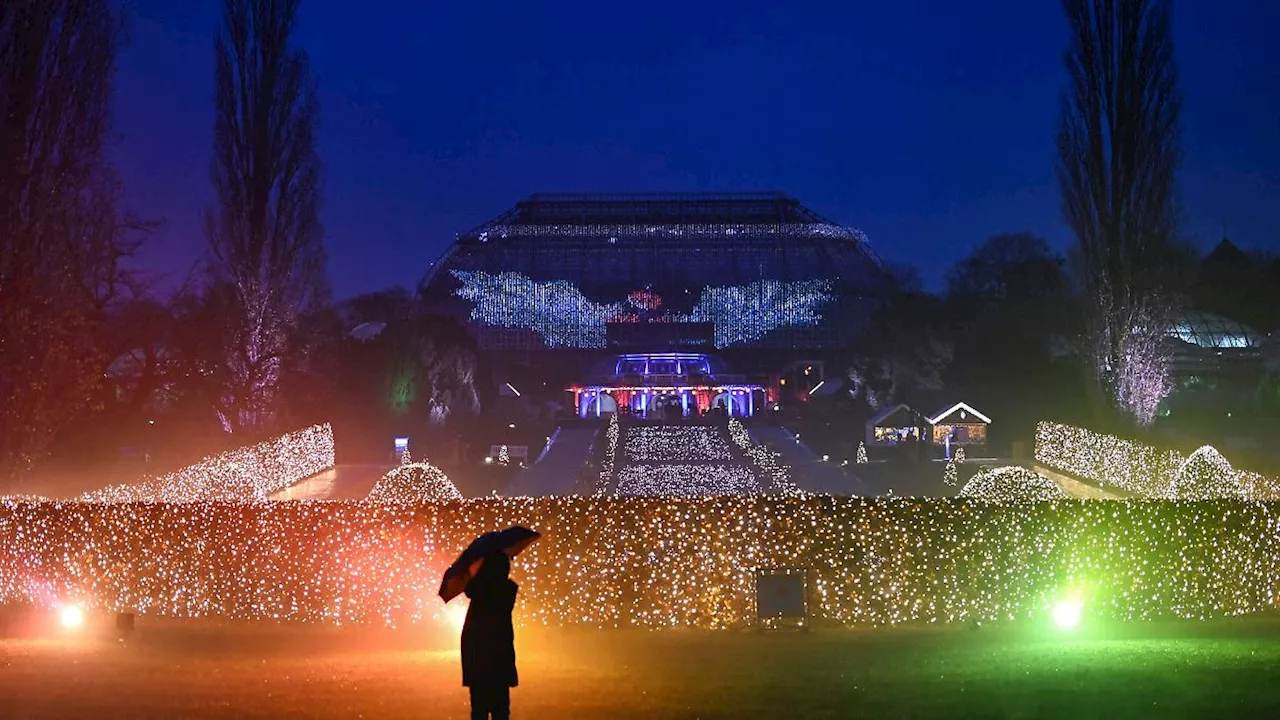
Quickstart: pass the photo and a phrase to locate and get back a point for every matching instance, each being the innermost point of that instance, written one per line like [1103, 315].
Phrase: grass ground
[1218, 670]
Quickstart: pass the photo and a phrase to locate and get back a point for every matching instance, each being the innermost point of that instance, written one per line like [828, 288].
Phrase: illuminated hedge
[412, 483]
[1010, 484]
[248, 473]
[609, 464]
[767, 462]
[654, 562]
[1144, 470]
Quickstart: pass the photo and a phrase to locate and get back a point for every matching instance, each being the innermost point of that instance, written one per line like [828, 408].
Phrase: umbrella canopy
[510, 541]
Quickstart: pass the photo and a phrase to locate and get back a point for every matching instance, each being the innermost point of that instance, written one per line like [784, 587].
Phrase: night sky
[928, 124]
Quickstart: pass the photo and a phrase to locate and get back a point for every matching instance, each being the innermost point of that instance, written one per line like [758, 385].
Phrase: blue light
[745, 313]
[563, 317]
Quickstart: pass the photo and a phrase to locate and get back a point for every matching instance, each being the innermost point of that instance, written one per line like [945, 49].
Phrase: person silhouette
[488, 640]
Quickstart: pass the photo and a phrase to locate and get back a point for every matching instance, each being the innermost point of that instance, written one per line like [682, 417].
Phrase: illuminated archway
[595, 404]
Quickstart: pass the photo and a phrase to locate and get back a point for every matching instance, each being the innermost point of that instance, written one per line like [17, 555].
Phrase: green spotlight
[1066, 613]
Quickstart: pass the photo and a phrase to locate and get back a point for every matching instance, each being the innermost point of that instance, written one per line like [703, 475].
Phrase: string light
[690, 479]
[690, 460]
[1144, 470]
[246, 474]
[746, 313]
[607, 467]
[774, 474]
[1010, 485]
[949, 475]
[647, 444]
[1206, 475]
[559, 312]
[412, 484]
[648, 562]
[862, 452]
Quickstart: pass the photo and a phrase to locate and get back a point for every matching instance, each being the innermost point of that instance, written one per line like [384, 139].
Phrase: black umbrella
[510, 541]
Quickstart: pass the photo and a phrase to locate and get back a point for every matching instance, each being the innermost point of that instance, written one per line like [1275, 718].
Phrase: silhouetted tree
[63, 241]
[264, 233]
[1242, 286]
[1118, 152]
[433, 370]
[384, 306]
[905, 351]
[140, 333]
[451, 361]
[1009, 303]
[1016, 271]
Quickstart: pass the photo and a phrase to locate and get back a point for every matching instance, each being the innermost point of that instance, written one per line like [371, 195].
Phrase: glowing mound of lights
[647, 562]
[1138, 469]
[1011, 485]
[686, 479]
[413, 484]
[1206, 475]
[247, 474]
[675, 443]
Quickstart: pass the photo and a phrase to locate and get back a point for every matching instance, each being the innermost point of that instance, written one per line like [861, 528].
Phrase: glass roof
[1213, 331]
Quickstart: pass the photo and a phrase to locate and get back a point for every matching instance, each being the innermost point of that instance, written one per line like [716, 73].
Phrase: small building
[961, 425]
[667, 385]
[894, 426]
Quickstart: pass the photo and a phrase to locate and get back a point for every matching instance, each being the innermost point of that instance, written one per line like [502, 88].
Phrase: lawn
[174, 670]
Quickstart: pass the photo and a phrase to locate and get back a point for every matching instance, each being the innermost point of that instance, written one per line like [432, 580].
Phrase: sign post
[782, 597]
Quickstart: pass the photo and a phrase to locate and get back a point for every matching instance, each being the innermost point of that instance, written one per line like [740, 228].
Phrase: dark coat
[488, 640]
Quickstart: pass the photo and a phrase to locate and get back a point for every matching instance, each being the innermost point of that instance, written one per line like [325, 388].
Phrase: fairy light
[1143, 470]
[1206, 475]
[949, 475]
[414, 483]
[647, 444]
[607, 468]
[656, 460]
[862, 452]
[563, 316]
[20, 499]
[648, 562]
[248, 473]
[690, 479]
[775, 475]
[746, 313]
[1010, 485]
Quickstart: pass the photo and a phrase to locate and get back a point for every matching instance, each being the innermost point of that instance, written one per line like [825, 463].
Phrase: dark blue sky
[928, 124]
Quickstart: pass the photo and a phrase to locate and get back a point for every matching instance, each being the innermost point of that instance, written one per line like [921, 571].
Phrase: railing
[669, 380]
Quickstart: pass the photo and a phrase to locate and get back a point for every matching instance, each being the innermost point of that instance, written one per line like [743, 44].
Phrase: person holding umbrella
[488, 638]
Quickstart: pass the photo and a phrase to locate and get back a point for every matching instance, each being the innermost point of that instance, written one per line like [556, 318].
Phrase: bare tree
[264, 234]
[1118, 153]
[63, 243]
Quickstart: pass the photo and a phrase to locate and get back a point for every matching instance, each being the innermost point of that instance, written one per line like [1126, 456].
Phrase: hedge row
[649, 562]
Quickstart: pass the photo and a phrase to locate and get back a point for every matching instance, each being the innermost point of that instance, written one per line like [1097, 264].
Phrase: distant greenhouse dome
[367, 331]
[1214, 332]
[755, 270]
